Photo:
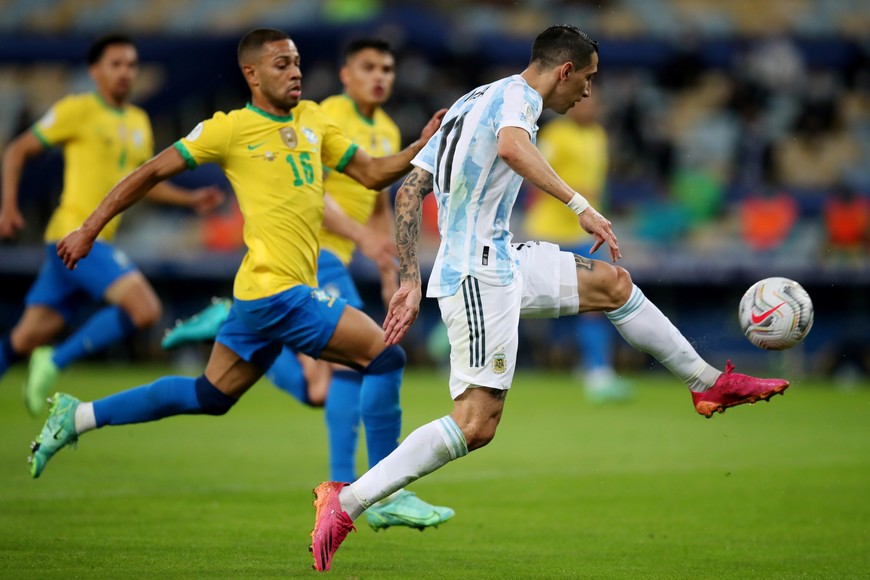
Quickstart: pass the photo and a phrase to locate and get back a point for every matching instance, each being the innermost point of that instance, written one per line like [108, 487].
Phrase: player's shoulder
[336, 104]
[78, 101]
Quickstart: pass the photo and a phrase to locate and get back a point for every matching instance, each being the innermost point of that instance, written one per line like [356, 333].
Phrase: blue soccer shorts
[302, 318]
[66, 290]
[335, 279]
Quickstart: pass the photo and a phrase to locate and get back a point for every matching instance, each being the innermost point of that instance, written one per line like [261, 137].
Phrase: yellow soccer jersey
[101, 145]
[275, 165]
[378, 136]
[578, 153]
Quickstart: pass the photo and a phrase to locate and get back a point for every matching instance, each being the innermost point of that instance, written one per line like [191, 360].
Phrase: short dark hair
[562, 43]
[361, 44]
[98, 48]
[255, 39]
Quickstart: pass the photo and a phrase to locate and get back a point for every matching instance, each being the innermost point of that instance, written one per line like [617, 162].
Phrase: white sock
[423, 451]
[645, 328]
[85, 418]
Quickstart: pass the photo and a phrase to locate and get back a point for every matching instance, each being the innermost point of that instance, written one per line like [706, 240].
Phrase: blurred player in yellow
[575, 145]
[363, 218]
[274, 152]
[103, 139]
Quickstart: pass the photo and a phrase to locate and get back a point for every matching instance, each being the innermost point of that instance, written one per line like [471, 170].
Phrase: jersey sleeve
[208, 142]
[425, 159]
[338, 149]
[61, 123]
[521, 108]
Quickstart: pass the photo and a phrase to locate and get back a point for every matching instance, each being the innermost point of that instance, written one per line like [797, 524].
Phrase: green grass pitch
[647, 489]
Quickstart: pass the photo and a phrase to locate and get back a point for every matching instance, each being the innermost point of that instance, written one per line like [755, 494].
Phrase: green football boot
[199, 327]
[407, 510]
[58, 432]
[41, 378]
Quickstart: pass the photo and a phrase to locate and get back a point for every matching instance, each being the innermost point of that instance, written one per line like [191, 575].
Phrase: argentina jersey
[474, 188]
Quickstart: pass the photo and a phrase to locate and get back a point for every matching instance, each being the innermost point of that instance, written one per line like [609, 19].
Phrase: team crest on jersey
[310, 135]
[138, 138]
[322, 296]
[526, 115]
[499, 365]
[288, 136]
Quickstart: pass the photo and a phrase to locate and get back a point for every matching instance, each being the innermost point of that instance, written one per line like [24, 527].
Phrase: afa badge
[499, 365]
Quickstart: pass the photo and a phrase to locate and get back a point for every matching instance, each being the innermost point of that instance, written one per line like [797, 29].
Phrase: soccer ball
[776, 313]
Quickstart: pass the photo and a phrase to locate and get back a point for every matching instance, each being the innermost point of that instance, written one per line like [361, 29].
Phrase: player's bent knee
[146, 315]
[622, 286]
[391, 359]
[211, 400]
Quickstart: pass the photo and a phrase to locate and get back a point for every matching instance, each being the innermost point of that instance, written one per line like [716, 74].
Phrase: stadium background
[737, 129]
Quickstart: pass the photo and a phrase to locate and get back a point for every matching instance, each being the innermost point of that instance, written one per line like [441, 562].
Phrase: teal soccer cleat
[199, 327]
[41, 378]
[407, 510]
[58, 432]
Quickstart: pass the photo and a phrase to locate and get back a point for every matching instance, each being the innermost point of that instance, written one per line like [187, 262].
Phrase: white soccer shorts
[483, 321]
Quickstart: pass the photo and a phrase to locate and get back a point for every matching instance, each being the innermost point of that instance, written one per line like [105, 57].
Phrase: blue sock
[164, 397]
[379, 403]
[342, 424]
[107, 326]
[8, 357]
[286, 374]
[595, 341]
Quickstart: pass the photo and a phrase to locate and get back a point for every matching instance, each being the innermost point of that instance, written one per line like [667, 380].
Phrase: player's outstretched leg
[732, 389]
[199, 327]
[58, 432]
[331, 524]
[644, 326]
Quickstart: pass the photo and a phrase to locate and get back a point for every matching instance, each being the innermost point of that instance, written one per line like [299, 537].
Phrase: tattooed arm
[405, 305]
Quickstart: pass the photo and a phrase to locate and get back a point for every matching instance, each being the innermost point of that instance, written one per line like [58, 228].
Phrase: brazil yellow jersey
[578, 153]
[275, 165]
[101, 145]
[378, 136]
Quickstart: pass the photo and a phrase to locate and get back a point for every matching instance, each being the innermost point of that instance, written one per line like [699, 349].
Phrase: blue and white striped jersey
[474, 188]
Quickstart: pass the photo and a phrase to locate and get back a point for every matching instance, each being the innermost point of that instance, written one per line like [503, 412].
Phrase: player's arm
[375, 244]
[127, 192]
[380, 172]
[24, 147]
[202, 200]
[515, 148]
[405, 305]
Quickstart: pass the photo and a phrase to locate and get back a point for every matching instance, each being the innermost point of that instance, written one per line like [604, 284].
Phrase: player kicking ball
[475, 165]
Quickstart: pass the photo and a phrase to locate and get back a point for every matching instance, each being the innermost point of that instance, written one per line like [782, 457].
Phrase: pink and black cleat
[732, 389]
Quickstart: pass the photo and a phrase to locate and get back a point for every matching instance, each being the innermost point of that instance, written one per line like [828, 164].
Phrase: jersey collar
[366, 120]
[270, 116]
[102, 101]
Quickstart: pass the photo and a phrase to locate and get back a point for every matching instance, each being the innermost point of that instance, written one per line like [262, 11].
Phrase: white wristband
[578, 204]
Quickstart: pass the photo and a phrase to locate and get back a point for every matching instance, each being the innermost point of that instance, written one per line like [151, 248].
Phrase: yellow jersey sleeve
[62, 122]
[208, 142]
[338, 149]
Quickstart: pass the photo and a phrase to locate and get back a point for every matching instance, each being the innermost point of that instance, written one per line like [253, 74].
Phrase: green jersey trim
[188, 158]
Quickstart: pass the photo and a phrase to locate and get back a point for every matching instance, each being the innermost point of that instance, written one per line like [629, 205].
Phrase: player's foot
[407, 510]
[331, 524]
[199, 327]
[732, 389]
[41, 378]
[603, 386]
[58, 432]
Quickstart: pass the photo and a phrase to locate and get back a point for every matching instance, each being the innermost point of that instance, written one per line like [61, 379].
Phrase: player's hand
[601, 229]
[432, 126]
[206, 199]
[11, 222]
[74, 246]
[402, 312]
[380, 249]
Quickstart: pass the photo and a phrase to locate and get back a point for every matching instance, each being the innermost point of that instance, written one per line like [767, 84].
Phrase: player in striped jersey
[475, 164]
